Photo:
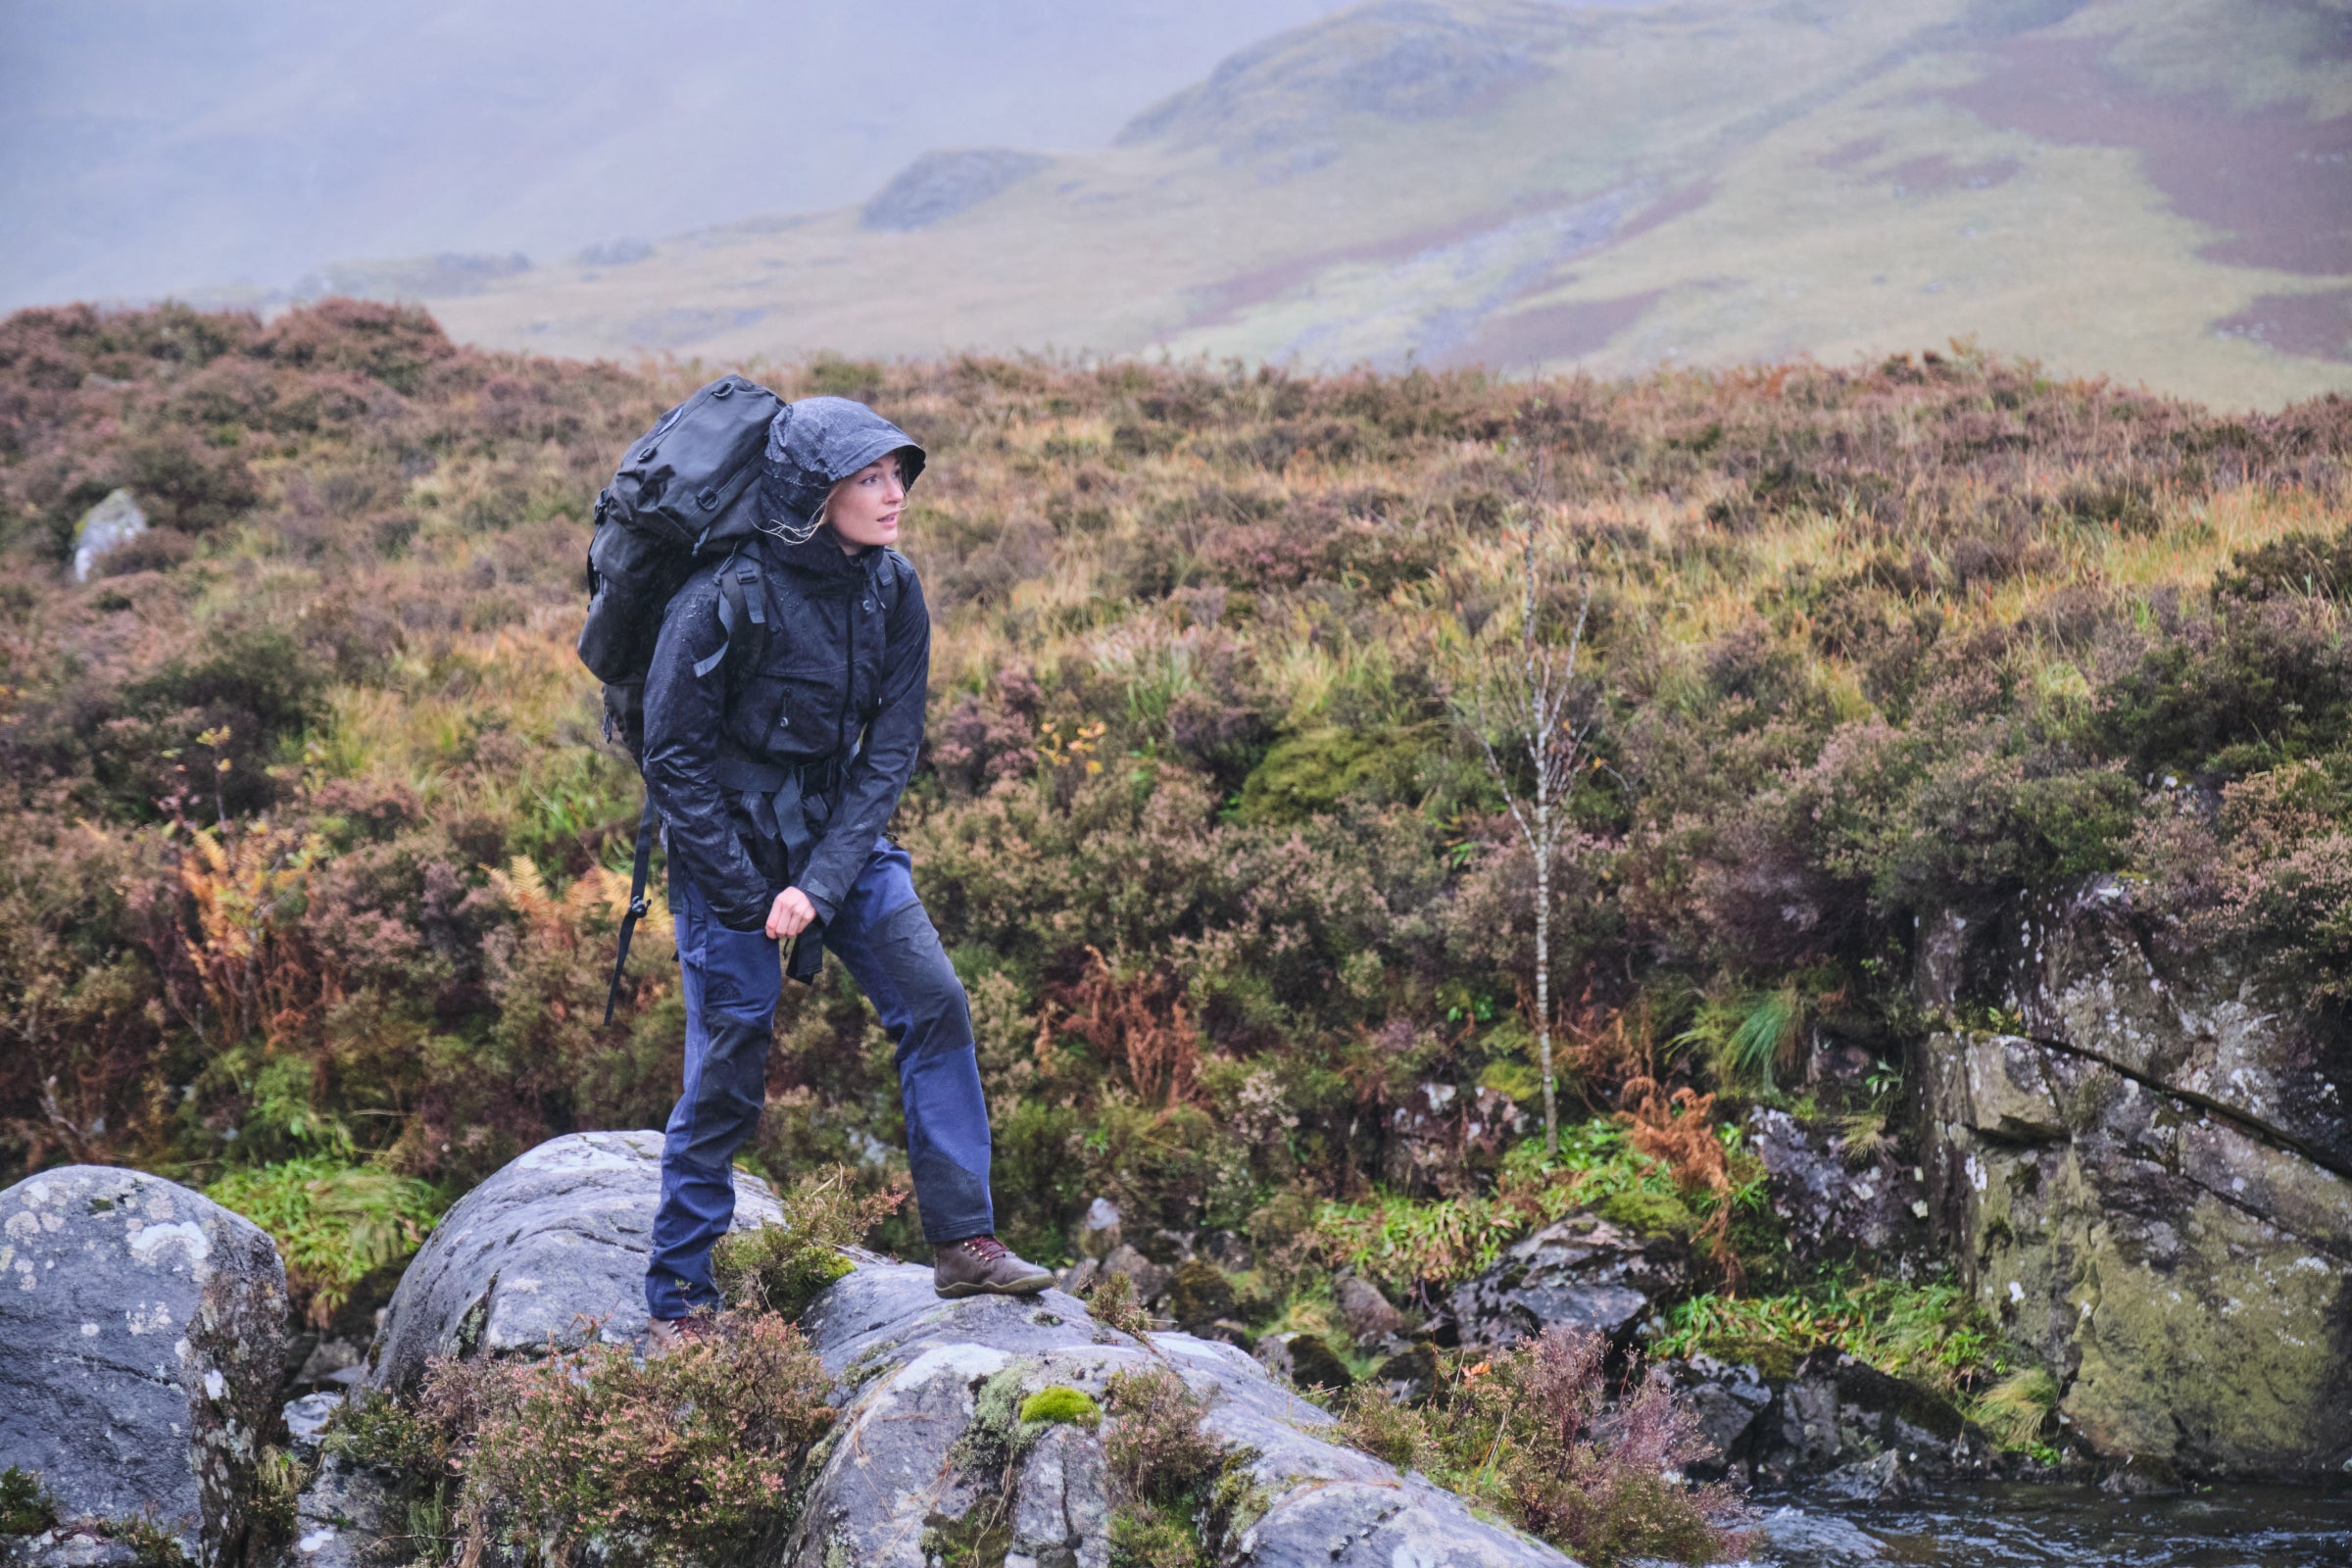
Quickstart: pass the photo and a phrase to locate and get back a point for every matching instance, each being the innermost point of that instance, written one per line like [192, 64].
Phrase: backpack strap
[646, 820]
[739, 601]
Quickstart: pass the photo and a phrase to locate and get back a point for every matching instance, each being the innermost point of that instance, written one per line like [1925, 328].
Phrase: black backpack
[686, 490]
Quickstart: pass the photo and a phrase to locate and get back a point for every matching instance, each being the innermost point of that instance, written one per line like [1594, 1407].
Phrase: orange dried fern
[1678, 1130]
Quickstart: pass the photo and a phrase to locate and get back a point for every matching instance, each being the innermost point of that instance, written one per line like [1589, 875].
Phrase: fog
[157, 146]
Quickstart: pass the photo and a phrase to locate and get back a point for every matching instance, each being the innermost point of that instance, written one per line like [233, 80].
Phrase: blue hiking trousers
[732, 982]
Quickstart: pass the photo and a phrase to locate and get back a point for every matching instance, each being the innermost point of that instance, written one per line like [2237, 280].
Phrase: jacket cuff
[826, 903]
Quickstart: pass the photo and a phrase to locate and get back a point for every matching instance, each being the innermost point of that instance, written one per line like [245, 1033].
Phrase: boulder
[347, 1518]
[551, 1250]
[1831, 1210]
[913, 1367]
[1200, 1296]
[1729, 1402]
[1581, 1272]
[2149, 1183]
[1098, 1230]
[1061, 1504]
[145, 1332]
[1409, 1375]
[1860, 1432]
[1305, 1361]
[1371, 1319]
[1151, 1281]
[106, 527]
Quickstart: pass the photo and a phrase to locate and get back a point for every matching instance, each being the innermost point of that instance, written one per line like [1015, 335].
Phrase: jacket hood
[817, 442]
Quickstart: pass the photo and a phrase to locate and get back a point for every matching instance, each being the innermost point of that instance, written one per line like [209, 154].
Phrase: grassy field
[2148, 192]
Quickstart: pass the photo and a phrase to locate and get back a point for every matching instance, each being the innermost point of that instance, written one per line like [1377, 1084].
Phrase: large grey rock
[1856, 1432]
[1729, 1402]
[1581, 1273]
[1831, 1210]
[143, 1328]
[549, 1249]
[107, 526]
[913, 1365]
[2147, 1183]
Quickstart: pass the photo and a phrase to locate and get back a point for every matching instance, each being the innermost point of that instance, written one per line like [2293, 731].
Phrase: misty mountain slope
[2155, 189]
[151, 146]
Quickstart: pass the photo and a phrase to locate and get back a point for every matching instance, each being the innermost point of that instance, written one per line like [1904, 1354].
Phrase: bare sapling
[1534, 722]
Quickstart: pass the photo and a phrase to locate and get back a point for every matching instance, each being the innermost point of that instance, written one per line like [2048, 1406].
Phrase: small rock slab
[145, 1335]
[912, 1365]
[106, 527]
[551, 1249]
[1580, 1272]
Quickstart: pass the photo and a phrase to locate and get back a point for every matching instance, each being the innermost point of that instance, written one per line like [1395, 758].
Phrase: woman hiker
[783, 714]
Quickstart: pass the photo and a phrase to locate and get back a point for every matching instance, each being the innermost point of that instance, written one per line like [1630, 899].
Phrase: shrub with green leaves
[25, 1508]
[334, 1222]
[782, 1268]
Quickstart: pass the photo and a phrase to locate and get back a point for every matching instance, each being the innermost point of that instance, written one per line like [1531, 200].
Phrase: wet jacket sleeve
[879, 776]
[682, 716]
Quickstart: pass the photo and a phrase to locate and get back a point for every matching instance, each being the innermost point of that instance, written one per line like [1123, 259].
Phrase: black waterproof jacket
[784, 706]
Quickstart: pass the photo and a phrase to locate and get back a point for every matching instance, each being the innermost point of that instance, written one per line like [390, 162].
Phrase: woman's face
[863, 508]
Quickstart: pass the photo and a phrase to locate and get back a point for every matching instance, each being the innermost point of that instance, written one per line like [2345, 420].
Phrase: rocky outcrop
[2146, 1181]
[913, 1367]
[551, 1250]
[1581, 1272]
[144, 1328]
[1831, 1208]
[1831, 1424]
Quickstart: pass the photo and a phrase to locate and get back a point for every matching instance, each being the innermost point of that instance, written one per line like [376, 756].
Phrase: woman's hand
[790, 914]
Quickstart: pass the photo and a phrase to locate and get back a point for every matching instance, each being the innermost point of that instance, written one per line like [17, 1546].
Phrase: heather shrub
[1177, 1498]
[600, 1454]
[1531, 1434]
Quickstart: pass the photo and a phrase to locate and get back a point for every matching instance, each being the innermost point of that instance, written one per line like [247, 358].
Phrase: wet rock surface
[144, 1335]
[911, 1367]
[553, 1248]
[1830, 1427]
[2146, 1186]
[1832, 1209]
[1581, 1273]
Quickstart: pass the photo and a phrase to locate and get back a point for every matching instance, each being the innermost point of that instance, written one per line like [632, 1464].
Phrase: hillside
[2155, 192]
[309, 826]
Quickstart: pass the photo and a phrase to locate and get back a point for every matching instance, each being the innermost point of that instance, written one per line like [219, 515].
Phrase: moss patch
[1060, 1402]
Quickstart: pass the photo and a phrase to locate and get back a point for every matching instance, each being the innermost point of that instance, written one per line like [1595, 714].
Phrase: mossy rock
[1200, 1296]
[1775, 1360]
[1647, 1214]
[1063, 1403]
[1409, 1375]
[1317, 1366]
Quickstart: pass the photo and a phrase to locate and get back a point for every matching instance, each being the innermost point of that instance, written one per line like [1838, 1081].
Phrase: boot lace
[987, 1248]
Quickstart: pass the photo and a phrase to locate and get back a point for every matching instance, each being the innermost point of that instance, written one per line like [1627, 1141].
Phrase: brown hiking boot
[982, 1266]
[663, 1335]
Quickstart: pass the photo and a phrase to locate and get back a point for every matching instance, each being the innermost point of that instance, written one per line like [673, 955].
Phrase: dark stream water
[2030, 1526]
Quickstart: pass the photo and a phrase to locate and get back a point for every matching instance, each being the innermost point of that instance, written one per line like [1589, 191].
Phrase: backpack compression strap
[636, 910]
